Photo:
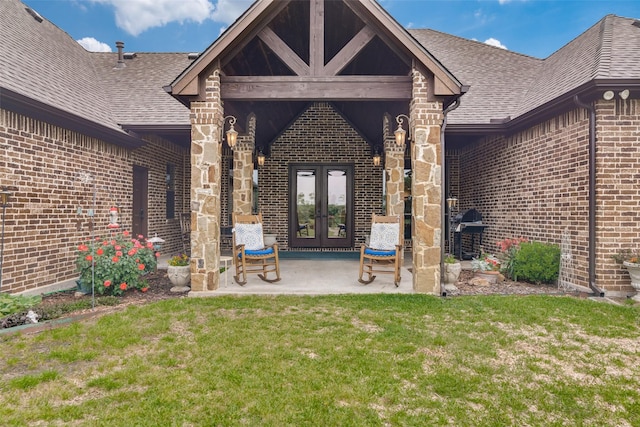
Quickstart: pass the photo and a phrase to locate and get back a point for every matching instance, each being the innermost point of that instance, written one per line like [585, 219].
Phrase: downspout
[592, 194]
[443, 212]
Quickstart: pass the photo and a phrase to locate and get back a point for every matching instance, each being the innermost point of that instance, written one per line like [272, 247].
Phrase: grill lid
[470, 215]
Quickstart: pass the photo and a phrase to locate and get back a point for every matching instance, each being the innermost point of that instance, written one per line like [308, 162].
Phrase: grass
[331, 360]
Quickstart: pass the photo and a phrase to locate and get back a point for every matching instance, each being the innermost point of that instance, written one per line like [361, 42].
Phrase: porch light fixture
[232, 134]
[624, 94]
[400, 133]
[608, 95]
[260, 157]
[452, 202]
[5, 198]
[377, 158]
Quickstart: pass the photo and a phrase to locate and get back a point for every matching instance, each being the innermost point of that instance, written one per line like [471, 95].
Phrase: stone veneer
[206, 167]
[243, 169]
[426, 189]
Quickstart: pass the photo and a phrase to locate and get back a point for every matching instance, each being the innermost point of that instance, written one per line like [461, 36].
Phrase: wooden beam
[284, 52]
[316, 37]
[349, 51]
[338, 88]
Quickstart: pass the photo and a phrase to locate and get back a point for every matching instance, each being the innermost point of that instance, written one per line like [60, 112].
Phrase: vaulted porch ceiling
[281, 55]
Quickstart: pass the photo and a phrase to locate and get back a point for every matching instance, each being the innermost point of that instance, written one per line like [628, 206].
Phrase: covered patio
[314, 277]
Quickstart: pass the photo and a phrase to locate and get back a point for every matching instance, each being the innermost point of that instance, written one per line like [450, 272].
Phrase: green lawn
[374, 360]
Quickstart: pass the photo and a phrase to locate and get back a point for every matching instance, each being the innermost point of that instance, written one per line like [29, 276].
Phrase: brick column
[243, 169]
[426, 187]
[206, 155]
[394, 172]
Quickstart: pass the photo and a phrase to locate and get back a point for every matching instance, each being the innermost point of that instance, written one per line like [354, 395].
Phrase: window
[170, 183]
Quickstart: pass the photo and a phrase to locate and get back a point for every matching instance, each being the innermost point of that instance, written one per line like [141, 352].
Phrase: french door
[321, 205]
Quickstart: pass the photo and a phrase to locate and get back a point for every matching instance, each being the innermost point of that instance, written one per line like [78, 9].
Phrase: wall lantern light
[377, 158]
[452, 202]
[400, 133]
[261, 158]
[232, 134]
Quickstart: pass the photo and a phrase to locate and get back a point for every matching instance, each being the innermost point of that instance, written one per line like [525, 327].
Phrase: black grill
[467, 222]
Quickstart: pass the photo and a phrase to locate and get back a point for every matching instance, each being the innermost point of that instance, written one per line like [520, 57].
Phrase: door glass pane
[306, 203]
[337, 204]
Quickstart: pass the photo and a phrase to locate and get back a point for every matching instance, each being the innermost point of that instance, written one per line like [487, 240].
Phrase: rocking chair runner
[383, 254]
[250, 253]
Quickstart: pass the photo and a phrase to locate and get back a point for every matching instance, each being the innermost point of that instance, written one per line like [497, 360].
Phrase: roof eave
[26, 106]
[588, 92]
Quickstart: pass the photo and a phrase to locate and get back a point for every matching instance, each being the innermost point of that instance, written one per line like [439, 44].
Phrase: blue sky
[533, 27]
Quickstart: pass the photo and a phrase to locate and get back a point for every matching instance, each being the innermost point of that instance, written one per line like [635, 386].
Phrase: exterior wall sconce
[232, 134]
[400, 133]
[377, 158]
[609, 95]
[261, 158]
[452, 202]
[5, 198]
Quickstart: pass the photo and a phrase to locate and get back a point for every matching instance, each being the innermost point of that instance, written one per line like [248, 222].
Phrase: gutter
[592, 194]
[443, 213]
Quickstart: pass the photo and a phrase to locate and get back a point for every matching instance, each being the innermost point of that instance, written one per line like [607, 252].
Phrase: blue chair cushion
[261, 252]
[374, 252]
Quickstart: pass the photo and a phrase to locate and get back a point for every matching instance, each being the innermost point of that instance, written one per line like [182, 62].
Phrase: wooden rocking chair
[250, 255]
[383, 254]
[185, 231]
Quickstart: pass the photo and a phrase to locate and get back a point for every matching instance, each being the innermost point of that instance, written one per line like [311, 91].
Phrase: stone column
[426, 187]
[394, 173]
[243, 169]
[206, 155]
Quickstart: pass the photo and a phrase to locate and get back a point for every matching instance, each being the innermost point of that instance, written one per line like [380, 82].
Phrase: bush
[10, 304]
[121, 263]
[537, 262]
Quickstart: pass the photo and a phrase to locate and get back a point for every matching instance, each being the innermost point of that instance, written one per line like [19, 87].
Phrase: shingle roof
[44, 63]
[136, 91]
[498, 78]
[507, 84]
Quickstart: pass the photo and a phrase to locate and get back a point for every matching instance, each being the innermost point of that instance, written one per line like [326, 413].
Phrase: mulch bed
[467, 286]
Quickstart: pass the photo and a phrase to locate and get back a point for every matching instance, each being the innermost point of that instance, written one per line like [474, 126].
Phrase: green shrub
[10, 304]
[537, 262]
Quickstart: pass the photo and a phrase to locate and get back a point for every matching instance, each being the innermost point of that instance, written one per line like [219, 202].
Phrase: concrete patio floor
[311, 277]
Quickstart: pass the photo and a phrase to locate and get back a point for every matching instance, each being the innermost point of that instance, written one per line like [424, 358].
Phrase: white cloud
[93, 45]
[228, 11]
[495, 42]
[137, 16]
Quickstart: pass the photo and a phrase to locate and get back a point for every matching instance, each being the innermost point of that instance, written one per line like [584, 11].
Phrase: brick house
[548, 149]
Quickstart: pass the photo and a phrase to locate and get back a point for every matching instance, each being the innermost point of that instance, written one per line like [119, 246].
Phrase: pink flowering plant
[485, 263]
[120, 263]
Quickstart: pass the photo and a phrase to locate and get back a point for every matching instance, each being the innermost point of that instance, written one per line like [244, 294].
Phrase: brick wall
[618, 189]
[319, 135]
[45, 163]
[536, 184]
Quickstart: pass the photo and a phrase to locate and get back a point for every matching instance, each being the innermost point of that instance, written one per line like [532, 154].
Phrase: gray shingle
[136, 91]
[42, 62]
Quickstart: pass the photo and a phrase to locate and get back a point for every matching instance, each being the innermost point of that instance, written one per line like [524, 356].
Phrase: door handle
[141, 214]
